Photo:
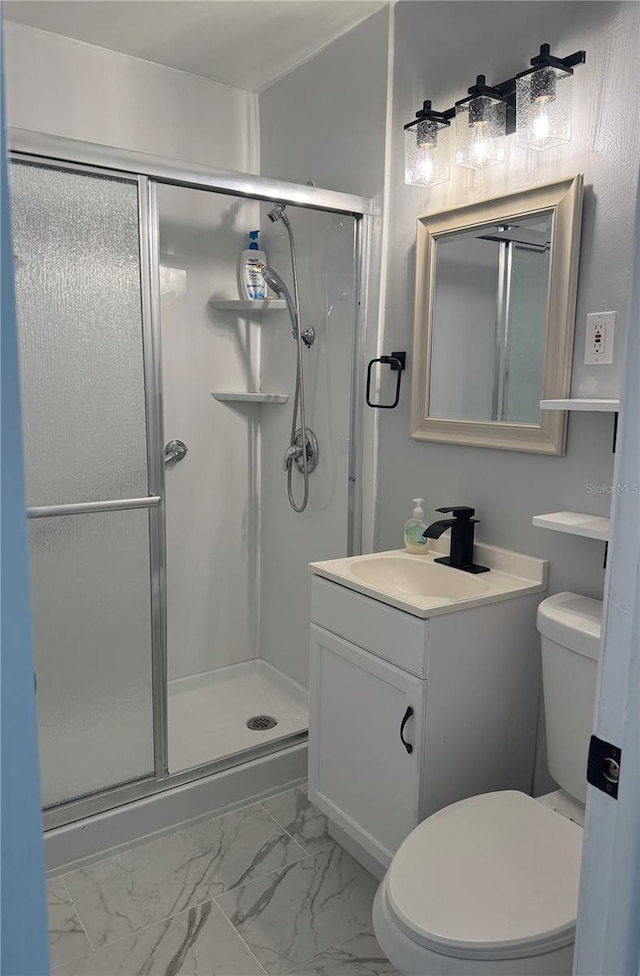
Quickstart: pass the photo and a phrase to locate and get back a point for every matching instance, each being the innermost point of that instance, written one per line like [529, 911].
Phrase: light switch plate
[598, 345]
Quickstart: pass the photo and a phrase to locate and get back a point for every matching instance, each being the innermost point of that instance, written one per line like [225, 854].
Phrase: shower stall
[169, 581]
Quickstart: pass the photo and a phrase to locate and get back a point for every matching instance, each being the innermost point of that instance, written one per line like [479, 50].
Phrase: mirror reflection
[490, 320]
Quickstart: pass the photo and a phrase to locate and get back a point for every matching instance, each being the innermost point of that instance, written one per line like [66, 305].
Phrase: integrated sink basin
[416, 577]
[425, 588]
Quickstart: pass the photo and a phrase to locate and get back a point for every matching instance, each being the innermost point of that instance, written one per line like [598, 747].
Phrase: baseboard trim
[358, 852]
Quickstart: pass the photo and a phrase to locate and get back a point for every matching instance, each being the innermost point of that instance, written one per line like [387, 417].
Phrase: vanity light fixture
[426, 151]
[481, 127]
[543, 101]
[536, 104]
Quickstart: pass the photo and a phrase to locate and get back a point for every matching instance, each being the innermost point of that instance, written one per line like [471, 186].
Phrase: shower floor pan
[208, 713]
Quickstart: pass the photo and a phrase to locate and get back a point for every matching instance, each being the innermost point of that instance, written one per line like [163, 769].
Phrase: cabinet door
[360, 772]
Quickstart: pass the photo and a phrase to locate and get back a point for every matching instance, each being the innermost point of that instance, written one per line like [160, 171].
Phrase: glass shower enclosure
[151, 578]
[90, 490]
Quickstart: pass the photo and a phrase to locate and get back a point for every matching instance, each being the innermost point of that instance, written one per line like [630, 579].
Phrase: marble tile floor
[263, 890]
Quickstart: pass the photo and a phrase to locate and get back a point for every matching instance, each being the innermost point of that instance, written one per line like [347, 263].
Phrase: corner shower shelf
[247, 305]
[257, 398]
[575, 523]
[577, 403]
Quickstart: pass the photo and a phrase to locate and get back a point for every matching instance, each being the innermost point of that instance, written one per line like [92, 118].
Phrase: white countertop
[511, 574]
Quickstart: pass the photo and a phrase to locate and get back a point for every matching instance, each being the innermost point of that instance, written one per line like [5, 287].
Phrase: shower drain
[260, 723]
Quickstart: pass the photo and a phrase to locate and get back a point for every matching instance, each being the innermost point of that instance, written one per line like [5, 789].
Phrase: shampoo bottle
[414, 540]
[252, 284]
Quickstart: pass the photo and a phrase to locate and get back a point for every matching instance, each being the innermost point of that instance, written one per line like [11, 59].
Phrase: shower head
[272, 279]
[277, 213]
[276, 284]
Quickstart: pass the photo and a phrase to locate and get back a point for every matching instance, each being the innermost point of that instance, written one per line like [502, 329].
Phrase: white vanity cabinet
[410, 713]
[365, 775]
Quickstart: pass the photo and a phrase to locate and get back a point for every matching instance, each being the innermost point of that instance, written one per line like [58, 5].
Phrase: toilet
[489, 886]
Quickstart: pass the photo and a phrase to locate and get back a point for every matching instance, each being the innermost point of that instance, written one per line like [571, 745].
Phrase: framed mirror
[494, 319]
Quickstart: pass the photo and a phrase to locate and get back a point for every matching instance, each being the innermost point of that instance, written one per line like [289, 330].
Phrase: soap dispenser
[251, 283]
[414, 539]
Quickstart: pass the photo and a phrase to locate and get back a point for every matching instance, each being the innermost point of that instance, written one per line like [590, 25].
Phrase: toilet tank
[569, 627]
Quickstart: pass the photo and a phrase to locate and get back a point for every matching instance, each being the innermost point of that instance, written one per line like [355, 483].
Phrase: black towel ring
[397, 362]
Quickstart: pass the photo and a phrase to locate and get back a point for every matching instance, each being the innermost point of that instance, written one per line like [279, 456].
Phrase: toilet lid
[495, 876]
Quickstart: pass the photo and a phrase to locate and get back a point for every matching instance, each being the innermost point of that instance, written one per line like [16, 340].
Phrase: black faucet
[462, 529]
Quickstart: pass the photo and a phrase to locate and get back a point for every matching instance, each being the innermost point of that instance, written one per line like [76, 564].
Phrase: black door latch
[603, 766]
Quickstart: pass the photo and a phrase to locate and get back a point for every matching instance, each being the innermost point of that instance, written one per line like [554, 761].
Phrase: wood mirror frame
[564, 200]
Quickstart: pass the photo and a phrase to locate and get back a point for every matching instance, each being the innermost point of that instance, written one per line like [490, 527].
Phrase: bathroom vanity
[424, 689]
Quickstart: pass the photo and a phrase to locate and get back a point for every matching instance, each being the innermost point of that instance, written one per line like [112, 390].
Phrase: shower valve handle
[292, 453]
[174, 450]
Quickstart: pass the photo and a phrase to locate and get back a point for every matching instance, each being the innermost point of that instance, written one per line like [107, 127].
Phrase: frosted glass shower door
[79, 292]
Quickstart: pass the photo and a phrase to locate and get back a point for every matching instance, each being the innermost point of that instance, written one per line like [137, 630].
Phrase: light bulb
[479, 124]
[543, 108]
[541, 127]
[426, 153]
[480, 131]
[479, 152]
[424, 167]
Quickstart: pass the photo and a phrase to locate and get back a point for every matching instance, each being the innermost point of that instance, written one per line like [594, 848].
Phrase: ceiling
[245, 43]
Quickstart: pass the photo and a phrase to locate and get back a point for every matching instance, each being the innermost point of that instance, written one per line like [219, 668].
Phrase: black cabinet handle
[407, 716]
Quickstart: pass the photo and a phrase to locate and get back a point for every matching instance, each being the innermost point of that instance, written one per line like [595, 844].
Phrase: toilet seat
[492, 877]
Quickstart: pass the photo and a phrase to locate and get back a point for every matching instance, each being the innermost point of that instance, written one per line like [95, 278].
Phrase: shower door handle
[174, 451]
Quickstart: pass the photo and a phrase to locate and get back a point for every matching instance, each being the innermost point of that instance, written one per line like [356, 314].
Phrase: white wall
[324, 244]
[439, 48]
[213, 494]
[324, 122]
[68, 88]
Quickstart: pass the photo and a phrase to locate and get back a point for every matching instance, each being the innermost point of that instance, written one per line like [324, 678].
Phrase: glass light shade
[543, 108]
[480, 132]
[426, 153]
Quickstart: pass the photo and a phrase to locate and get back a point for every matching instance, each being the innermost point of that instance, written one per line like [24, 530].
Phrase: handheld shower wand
[300, 442]
[275, 283]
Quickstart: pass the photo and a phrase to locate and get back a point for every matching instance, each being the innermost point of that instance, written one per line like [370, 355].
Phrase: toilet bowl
[489, 886]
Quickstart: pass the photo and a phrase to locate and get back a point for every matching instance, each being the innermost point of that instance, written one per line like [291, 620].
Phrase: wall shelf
[577, 403]
[575, 523]
[247, 305]
[257, 398]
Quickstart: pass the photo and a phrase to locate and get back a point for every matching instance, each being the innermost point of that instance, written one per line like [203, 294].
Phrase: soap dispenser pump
[414, 539]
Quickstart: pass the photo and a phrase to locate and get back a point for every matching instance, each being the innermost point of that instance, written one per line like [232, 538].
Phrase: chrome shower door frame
[149, 172]
[154, 501]
[152, 346]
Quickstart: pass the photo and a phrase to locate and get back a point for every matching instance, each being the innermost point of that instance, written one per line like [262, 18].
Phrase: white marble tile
[360, 956]
[293, 915]
[300, 818]
[199, 942]
[67, 938]
[121, 894]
